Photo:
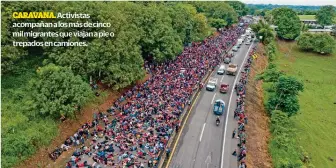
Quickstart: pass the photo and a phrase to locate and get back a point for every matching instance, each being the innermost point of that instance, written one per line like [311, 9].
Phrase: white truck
[232, 69]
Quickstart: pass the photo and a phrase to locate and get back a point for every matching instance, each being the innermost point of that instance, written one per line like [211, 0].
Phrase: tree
[190, 25]
[324, 43]
[326, 15]
[285, 96]
[306, 41]
[58, 91]
[217, 23]
[264, 30]
[288, 22]
[239, 7]
[288, 85]
[217, 10]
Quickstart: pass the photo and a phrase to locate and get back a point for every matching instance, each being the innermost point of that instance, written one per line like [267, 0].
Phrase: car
[221, 70]
[224, 88]
[227, 60]
[211, 86]
[247, 43]
[219, 107]
[235, 48]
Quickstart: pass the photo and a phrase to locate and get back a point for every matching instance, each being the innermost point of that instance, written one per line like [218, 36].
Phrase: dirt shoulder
[257, 129]
[68, 128]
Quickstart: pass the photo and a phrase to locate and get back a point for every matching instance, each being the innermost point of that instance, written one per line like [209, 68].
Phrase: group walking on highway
[135, 130]
[239, 113]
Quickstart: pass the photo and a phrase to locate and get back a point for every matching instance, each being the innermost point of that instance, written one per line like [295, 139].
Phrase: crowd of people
[135, 130]
[239, 113]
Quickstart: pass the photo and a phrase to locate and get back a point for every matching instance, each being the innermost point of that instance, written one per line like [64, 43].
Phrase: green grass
[315, 123]
[307, 17]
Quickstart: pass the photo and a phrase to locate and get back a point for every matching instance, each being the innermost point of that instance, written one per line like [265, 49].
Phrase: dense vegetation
[288, 22]
[281, 102]
[263, 30]
[40, 84]
[326, 15]
[314, 123]
[319, 43]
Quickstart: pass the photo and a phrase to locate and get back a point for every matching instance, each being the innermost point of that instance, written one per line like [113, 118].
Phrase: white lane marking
[202, 132]
[222, 78]
[228, 111]
[213, 98]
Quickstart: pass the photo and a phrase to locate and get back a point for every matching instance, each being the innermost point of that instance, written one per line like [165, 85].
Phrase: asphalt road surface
[201, 144]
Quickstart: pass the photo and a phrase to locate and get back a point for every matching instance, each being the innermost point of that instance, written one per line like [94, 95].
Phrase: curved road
[201, 144]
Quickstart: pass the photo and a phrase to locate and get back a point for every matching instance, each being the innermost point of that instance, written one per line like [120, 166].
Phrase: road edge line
[228, 111]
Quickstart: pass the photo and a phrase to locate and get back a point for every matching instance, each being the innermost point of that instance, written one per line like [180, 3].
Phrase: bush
[320, 43]
[324, 43]
[58, 91]
[283, 147]
[271, 74]
[306, 41]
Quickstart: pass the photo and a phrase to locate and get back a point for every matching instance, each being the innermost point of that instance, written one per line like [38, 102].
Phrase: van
[221, 70]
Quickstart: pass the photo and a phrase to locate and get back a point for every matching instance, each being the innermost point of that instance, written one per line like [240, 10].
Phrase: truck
[232, 69]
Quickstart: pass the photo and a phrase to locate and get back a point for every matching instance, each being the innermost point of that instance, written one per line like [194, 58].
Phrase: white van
[221, 70]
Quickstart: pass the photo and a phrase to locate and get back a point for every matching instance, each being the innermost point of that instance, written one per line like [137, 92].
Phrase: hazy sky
[292, 2]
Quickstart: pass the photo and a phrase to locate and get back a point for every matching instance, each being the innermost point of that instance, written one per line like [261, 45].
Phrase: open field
[315, 122]
[308, 17]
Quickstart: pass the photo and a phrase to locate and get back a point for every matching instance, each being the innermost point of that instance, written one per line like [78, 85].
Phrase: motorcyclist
[217, 120]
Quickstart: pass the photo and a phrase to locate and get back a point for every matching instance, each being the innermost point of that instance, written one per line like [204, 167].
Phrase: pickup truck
[211, 86]
[232, 69]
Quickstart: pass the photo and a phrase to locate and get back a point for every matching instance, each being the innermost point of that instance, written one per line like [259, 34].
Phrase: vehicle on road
[232, 69]
[235, 48]
[221, 70]
[217, 121]
[224, 88]
[227, 60]
[211, 86]
[248, 42]
[239, 42]
[219, 107]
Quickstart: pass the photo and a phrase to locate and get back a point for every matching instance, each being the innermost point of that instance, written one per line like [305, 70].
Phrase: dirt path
[68, 128]
[257, 128]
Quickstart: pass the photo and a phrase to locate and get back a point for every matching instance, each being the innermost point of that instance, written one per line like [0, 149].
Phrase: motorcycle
[217, 122]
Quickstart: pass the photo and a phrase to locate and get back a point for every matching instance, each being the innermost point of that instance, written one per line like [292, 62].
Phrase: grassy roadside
[283, 145]
[314, 124]
[307, 17]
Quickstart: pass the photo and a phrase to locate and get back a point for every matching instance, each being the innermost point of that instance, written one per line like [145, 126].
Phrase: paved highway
[201, 144]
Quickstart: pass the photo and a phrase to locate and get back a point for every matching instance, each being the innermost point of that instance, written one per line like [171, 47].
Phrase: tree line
[59, 76]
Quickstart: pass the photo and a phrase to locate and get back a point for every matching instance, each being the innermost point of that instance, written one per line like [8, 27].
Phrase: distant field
[308, 17]
[315, 123]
